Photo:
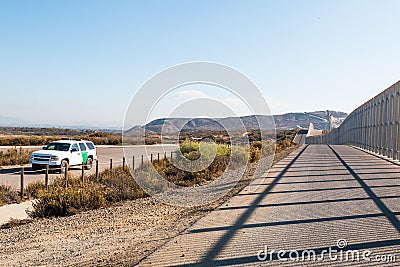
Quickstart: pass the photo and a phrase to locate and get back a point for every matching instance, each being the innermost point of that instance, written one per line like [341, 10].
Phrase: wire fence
[132, 163]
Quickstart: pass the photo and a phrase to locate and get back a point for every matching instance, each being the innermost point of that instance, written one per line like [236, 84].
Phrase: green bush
[220, 157]
[188, 146]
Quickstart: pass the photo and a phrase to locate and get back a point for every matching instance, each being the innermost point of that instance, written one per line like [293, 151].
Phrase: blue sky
[303, 55]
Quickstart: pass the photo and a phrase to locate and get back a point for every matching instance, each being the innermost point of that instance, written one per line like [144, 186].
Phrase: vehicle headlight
[54, 158]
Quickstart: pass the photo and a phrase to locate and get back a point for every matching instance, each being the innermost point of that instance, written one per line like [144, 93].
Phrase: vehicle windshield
[57, 146]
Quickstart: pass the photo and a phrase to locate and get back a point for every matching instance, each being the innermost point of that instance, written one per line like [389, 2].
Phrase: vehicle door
[76, 155]
[83, 152]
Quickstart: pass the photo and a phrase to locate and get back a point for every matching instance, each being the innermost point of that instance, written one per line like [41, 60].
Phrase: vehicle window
[58, 146]
[75, 146]
[82, 146]
[90, 145]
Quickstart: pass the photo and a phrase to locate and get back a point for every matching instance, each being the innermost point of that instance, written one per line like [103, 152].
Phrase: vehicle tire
[64, 163]
[89, 164]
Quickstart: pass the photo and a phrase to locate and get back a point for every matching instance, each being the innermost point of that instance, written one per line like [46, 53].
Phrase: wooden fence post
[111, 165]
[123, 163]
[83, 173]
[158, 156]
[133, 163]
[46, 177]
[66, 176]
[142, 161]
[97, 171]
[151, 158]
[22, 182]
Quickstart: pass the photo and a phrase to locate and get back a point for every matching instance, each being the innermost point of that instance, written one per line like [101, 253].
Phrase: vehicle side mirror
[74, 150]
[44, 148]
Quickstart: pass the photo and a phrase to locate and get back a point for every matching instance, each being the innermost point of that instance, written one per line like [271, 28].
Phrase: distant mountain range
[172, 125]
[284, 121]
[17, 122]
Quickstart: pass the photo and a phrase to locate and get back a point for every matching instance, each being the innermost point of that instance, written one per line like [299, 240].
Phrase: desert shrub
[118, 184]
[283, 144]
[33, 190]
[8, 195]
[113, 186]
[72, 181]
[64, 202]
[121, 184]
[31, 140]
[219, 156]
[98, 134]
[191, 149]
[10, 140]
[255, 154]
[261, 149]
[188, 146]
[14, 156]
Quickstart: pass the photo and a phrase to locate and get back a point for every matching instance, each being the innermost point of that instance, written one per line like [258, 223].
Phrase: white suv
[64, 153]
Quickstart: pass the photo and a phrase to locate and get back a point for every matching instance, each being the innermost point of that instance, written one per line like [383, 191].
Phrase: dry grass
[14, 156]
[113, 186]
[118, 184]
[8, 195]
[27, 140]
[14, 223]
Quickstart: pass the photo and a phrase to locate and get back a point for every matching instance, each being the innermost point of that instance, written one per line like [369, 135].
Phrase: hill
[284, 121]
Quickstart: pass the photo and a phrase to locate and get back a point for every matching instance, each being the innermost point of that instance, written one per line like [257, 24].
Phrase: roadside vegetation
[113, 186]
[8, 195]
[15, 156]
[98, 138]
[191, 155]
[118, 185]
[36, 131]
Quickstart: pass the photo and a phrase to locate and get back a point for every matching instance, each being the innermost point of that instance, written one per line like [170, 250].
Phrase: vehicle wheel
[89, 164]
[64, 164]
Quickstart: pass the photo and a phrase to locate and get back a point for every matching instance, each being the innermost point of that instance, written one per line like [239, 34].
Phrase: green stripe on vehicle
[84, 156]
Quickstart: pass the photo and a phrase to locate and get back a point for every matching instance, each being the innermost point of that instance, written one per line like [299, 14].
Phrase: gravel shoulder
[120, 235]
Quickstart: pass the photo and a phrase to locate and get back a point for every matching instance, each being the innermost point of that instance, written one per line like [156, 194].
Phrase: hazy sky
[80, 62]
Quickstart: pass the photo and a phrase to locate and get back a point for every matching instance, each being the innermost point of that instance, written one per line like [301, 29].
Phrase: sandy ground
[120, 235]
[14, 211]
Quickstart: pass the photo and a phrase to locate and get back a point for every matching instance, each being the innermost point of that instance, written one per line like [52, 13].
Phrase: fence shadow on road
[17, 171]
[345, 163]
